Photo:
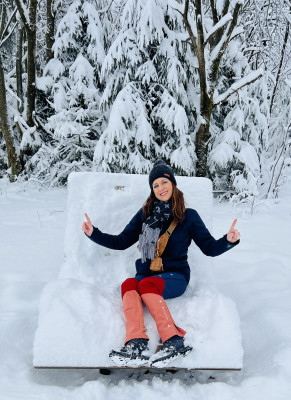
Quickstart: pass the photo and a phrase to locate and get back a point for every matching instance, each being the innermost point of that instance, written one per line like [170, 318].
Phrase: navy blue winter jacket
[176, 253]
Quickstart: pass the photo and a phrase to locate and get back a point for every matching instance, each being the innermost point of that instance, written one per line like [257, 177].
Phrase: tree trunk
[206, 95]
[31, 89]
[201, 142]
[30, 29]
[50, 30]
[280, 64]
[13, 161]
[19, 55]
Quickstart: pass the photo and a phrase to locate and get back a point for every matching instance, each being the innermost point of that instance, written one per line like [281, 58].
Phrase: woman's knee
[129, 284]
[151, 285]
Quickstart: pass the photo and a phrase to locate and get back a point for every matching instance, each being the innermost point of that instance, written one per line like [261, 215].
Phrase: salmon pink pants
[149, 290]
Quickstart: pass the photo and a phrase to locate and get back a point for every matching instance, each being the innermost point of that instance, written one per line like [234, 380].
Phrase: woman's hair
[178, 208]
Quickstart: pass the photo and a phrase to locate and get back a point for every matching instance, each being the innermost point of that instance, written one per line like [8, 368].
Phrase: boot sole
[170, 357]
[124, 360]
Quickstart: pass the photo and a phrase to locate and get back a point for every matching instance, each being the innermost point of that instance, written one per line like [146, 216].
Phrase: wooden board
[144, 367]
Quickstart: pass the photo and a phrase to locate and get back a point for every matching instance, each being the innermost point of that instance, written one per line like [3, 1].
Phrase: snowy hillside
[257, 276]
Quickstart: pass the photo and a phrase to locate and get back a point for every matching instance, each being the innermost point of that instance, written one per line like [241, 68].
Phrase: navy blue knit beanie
[161, 170]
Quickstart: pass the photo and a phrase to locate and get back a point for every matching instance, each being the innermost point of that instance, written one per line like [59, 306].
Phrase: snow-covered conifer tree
[147, 72]
[240, 129]
[71, 80]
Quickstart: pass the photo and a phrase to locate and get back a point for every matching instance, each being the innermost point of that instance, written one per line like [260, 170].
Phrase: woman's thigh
[175, 283]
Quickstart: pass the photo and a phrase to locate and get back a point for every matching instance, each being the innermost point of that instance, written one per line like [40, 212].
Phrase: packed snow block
[81, 317]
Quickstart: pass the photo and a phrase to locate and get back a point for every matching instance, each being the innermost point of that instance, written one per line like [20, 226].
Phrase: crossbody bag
[157, 262]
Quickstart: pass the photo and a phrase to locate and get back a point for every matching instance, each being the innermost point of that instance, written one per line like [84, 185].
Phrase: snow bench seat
[80, 314]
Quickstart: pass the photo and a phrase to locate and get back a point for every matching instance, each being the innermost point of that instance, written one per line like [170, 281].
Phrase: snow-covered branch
[23, 11]
[2, 34]
[224, 20]
[189, 29]
[222, 45]
[238, 30]
[8, 36]
[105, 9]
[218, 51]
[247, 80]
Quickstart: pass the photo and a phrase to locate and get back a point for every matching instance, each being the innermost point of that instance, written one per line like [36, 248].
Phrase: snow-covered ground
[257, 276]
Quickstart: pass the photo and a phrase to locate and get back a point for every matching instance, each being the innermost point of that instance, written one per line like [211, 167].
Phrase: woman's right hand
[87, 226]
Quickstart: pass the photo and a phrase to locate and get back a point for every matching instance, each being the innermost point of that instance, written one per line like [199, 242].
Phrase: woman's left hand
[233, 234]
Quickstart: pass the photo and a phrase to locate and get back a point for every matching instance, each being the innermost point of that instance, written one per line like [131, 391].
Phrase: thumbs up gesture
[233, 234]
[87, 226]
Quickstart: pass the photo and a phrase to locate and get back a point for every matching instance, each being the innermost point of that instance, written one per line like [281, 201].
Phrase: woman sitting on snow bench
[163, 227]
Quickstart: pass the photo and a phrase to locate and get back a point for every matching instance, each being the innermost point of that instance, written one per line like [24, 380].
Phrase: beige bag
[157, 263]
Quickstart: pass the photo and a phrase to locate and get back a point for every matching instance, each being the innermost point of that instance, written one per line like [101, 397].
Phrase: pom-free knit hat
[161, 170]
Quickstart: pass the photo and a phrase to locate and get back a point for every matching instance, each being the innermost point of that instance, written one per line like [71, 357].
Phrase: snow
[54, 68]
[256, 275]
[148, 67]
[78, 304]
[68, 29]
[224, 20]
[173, 114]
[146, 72]
[95, 49]
[150, 26]
[252, 76]
[222, 154]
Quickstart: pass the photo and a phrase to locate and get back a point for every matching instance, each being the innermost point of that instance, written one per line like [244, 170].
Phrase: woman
[163, 221]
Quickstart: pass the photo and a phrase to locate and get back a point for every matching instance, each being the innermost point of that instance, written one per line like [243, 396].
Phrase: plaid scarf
[151, 228]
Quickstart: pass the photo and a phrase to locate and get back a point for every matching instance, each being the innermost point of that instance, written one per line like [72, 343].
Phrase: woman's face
[163, 189]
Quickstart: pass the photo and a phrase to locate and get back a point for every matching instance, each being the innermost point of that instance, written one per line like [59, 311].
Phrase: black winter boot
[172, 349]
[133, 354]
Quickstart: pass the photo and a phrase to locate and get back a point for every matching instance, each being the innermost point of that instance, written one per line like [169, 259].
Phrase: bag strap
[163, 240]
[173, 225]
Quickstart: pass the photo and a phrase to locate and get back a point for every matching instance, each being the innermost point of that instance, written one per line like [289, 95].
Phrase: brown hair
[178, 202]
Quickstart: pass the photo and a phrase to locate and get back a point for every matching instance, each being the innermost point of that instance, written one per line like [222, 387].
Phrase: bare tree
[19, 68]
[50, 28]
[13, 160]
[210, 47]
[268, 44]
[28, 16]
[278, 76]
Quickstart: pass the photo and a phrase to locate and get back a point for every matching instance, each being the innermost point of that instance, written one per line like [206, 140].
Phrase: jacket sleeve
[125, 239]
[205, 241]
